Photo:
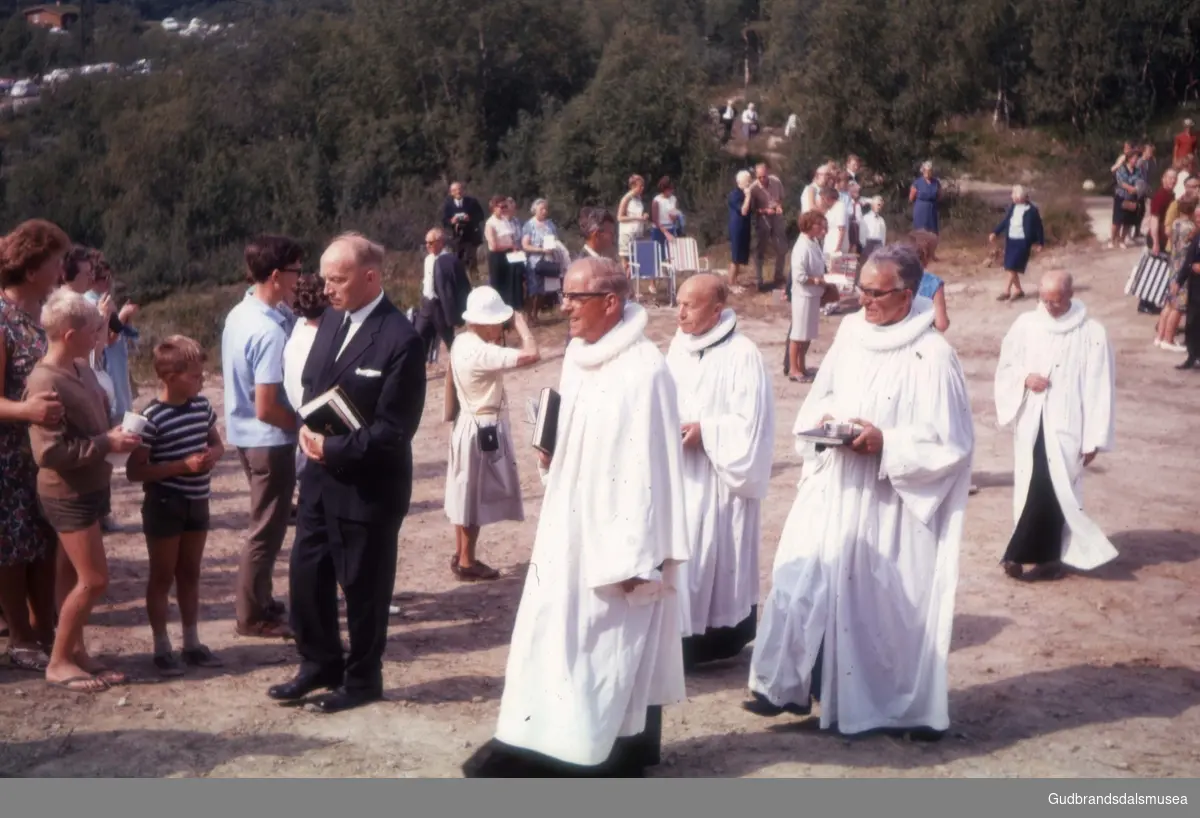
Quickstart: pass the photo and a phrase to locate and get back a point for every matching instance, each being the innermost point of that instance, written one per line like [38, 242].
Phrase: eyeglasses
[875, 295]
[582, 296]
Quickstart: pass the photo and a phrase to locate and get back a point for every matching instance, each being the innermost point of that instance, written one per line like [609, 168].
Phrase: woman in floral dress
[31, 265]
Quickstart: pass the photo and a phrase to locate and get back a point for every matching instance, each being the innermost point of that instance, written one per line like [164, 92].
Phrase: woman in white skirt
[808, 285]
[482, 483]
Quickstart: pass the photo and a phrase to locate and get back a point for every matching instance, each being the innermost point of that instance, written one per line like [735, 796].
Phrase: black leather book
[331, 414]
[545, 428]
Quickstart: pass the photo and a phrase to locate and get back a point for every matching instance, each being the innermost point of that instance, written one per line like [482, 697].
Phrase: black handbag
[547, 269]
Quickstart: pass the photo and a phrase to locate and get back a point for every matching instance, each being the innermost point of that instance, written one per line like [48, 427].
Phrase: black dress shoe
[345, 699]
[301, 686]
[1190, 363]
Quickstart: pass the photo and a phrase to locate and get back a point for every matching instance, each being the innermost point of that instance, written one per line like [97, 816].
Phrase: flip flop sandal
[111, 677]
[80, 684]
[30, 659]
[1003, 297]
[1018, 296]
[200, 657]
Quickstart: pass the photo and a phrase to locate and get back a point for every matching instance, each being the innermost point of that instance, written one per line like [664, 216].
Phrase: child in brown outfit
[73, 478]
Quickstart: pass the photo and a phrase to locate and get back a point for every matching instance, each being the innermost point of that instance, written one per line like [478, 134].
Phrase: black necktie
[340, 338]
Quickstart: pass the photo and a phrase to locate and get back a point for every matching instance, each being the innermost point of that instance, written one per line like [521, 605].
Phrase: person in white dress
[727, 407]
[483, 485]
[1055, 387]
[596, 650]
[861, 607]
[632, 219]
[808, 286]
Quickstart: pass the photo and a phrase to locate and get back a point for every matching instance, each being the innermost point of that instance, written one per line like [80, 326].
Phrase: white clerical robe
[587, 659]
[724, 386]
[868, 559]
[1077, 412]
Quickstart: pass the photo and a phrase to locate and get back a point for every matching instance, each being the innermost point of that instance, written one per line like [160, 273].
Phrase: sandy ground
[1093, 675]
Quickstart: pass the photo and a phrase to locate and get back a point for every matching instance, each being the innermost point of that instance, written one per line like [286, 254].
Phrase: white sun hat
[486, 307]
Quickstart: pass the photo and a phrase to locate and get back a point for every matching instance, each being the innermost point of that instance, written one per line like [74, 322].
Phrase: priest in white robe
[728, 412]
[863, 588]
[596, 650]
[1055, 387]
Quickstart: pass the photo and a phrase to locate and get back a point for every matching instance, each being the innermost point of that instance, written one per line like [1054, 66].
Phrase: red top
[1158, 207]
[1185, 144]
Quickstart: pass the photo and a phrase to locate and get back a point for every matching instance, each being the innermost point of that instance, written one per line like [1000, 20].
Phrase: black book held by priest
[331, 414]
[545, 428]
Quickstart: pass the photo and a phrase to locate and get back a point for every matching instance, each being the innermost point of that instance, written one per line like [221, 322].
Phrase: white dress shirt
[356, 319]
[427, 288]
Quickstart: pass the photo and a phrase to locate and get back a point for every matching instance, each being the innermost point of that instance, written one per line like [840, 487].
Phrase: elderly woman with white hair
[482, 482]
[1022, 230]
[739, 227]
[924, 194]
[546, 258]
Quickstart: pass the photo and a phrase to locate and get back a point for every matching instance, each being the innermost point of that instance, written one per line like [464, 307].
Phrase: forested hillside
[309, 117]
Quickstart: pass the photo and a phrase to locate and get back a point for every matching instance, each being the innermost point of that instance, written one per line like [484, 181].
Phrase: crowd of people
[1165, 218]
[645, 560]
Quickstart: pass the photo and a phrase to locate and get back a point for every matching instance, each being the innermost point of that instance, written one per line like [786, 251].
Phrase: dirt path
[1092, 676]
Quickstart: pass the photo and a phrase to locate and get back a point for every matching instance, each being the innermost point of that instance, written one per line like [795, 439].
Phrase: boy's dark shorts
[167, 514]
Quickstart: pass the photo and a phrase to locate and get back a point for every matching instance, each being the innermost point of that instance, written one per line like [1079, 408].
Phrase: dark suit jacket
[367, 475]
[452, 286]
[1032, 222]
[470, 231]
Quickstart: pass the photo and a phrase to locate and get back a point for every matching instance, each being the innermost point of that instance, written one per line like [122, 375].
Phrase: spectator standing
[74, 479]
[463, 217]
[766, 201]
[924, 195]
[632, 216]
[31, 265]
[1185, 142]
[739, 203]
[261, 424]
[180, 447]
[502, 240]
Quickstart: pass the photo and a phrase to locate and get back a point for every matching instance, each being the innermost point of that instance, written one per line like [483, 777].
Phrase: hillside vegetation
[311, 117]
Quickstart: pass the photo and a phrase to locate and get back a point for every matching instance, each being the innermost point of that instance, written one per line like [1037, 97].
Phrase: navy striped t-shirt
[176, 432]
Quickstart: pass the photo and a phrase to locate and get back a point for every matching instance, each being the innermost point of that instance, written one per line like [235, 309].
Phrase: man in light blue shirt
[261, 424]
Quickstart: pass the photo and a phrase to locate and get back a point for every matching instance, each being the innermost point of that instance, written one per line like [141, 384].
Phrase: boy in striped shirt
[181, 445]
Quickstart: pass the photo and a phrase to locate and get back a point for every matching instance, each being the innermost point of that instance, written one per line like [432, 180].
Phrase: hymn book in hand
[545, 426]
[331, 414]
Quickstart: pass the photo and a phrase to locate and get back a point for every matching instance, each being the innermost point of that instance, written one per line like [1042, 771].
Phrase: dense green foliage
[312, 116]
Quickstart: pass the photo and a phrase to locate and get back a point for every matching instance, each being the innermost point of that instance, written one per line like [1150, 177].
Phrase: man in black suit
[463, 218]
[444, 291]
[356, 487]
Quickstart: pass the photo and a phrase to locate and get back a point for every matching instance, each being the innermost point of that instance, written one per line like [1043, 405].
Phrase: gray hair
[743, 178]
[605, 275]
[360, 250]
[536, 202]
[927, 165]
[1018, 192]
[905, 260]
[67, 310]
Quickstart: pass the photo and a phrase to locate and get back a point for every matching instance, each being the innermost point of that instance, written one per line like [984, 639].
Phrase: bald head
[352, 267]
[435, 240]
[1055, 291]
[598, 275]
[706, 287]
[701, 299]
[593, 293]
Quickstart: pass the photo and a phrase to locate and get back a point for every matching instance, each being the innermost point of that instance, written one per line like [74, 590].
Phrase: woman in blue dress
[924, 195]
[739, 227]
[931, 287]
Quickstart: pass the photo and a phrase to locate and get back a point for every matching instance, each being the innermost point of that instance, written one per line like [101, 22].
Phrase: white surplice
[868, 559]
[724, 386]
[1077, 411]
[587, 659]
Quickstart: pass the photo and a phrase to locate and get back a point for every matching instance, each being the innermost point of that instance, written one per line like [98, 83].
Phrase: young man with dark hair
[261, 424]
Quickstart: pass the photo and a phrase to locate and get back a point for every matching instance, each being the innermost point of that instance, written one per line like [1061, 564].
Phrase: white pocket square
[369, 373]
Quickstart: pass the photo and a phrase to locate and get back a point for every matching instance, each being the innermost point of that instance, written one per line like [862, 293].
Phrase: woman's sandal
[31, 659]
